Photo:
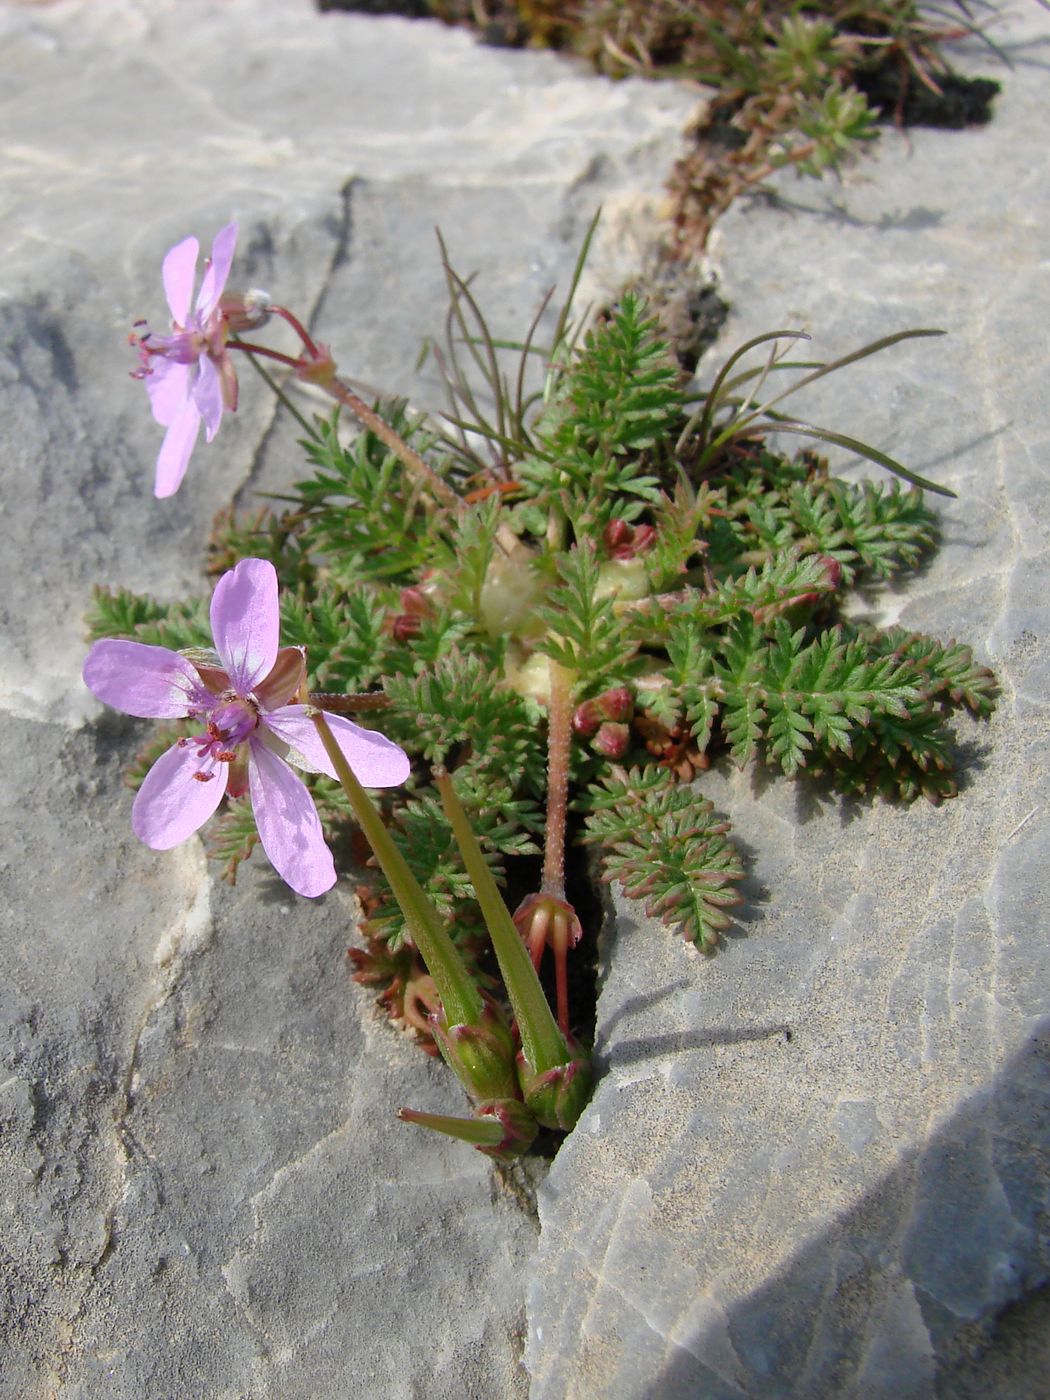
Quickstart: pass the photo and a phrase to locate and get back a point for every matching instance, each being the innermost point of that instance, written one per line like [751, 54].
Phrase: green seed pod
[558, 1096]
[482, 1055]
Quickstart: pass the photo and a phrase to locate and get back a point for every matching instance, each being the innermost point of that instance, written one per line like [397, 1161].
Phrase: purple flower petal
[218, 270]
[178, 273]
[175, 450]
[207, 395]
[173, 803]
[246, 622]
[150, 682]
[375, 760]
[169, 385]
[288, 824]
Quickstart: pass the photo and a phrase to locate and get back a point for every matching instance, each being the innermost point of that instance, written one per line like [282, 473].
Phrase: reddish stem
[561, 969]
[304, 335]
[337, 702]
[439, 489]
[559, 739]
[265, 351]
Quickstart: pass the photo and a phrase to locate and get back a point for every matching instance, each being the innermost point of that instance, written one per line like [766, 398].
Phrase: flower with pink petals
[189, 374]
[251, 730]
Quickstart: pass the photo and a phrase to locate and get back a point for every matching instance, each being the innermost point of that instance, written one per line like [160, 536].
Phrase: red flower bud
[416, 603]
[616, 533]
[405, 626]
[617, 704]
[587, 718]
[832, 569]
[624, 541]
[612, 740]
[245, 311]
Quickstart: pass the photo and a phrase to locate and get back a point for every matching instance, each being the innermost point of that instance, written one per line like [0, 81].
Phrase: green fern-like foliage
[359, 512]
[232, 837]
[617, 400]
[119, 613]
[667, 847]
[583, 630]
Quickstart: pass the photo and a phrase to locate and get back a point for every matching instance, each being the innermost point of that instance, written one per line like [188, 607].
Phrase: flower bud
[624, 541]
[586, 719]
[245, 311]
[832, 570]
[616, 534]
[405, 626]
[559, 1096]
[612, 740]
[617, 703]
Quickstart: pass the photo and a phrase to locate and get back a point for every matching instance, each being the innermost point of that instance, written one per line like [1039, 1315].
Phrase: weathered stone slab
[817, 1166]
[205, 1191]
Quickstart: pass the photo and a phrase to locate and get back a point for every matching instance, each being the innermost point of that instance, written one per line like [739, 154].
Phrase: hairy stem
[440, 490]
[559, 738]
[339, 703]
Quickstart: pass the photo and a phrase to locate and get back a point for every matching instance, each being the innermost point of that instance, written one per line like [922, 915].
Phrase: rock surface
[817, 1166]
[205, 1190]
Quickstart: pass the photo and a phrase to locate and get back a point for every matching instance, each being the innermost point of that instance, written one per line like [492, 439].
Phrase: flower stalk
[548, 917]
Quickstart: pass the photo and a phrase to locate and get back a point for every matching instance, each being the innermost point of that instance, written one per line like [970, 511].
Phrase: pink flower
[250, 732]
[189, 374]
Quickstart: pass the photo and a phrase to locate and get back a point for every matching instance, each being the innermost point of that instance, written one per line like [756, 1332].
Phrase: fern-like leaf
[584, 633]
[120, 613]
[666, 846]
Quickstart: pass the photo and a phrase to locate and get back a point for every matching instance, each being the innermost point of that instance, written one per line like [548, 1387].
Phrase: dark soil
[900, 97]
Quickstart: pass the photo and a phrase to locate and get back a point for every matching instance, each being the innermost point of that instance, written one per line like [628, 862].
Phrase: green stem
[460, 998]
[542, 1041]
[282, 397]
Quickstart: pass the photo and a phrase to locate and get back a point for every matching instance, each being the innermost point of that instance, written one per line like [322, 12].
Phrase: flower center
[185, 345]
[229, 724]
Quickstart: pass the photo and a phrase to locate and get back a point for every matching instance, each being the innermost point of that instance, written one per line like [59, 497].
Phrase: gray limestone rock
[205, 1190]
[817, 1165]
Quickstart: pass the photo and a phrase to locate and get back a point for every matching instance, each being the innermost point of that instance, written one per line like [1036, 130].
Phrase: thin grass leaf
[863, 450]
[703, 416]
[830, 366]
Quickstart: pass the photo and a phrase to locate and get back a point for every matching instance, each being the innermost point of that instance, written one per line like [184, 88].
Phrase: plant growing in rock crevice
[794, 85]
[570, 598]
